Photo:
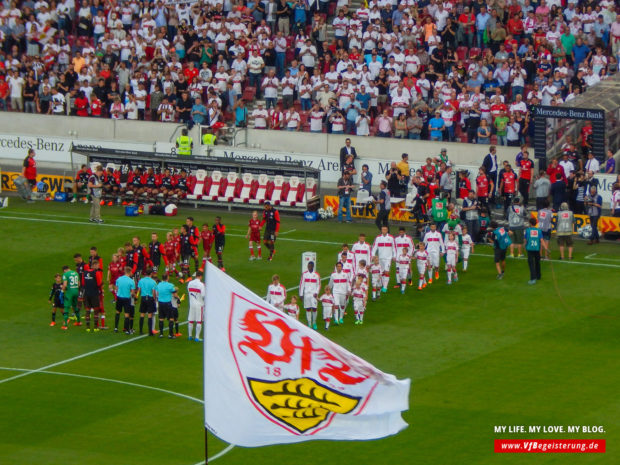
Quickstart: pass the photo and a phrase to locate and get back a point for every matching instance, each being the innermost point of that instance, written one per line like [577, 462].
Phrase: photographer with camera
[394, 178]
[593, 203]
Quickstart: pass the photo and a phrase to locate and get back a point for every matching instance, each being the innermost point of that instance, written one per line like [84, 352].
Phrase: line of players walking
[366, 267]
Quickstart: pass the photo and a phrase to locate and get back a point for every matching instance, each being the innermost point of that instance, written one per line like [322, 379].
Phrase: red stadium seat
[249, 93]
[474, 52]
[262, 189]
[461, 52]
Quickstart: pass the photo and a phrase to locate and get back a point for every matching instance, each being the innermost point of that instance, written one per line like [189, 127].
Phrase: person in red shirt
[115, 270]
[428, 170]
[464, 185]
[586, 139]
[483, 188]
[4, 93]
[95, 106]
[207, 241]
[190, 72]
[253, 235]
[554, 169]
[81, 104]
[29, 172]
[171, 249]
[525, 177]
[508, 186]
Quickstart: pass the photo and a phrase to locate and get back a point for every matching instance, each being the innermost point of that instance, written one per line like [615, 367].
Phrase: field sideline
[479, 353]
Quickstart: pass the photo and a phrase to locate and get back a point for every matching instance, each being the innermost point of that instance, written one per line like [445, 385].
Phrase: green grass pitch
[479, 353]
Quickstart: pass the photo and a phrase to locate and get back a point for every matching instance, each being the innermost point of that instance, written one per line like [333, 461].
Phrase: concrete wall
[300, 142]
[374, 147]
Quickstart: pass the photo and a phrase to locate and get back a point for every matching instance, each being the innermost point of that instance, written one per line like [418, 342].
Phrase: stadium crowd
[455, 70]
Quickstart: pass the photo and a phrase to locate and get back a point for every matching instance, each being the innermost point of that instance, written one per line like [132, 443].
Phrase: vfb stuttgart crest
[295, 377]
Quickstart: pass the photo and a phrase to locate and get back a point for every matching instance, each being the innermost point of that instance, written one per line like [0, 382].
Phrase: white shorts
[385, 264]
[433, 258]
[195, 313]
[465, 252]
[309, 301]
[340, 300]
[376, 280]
[421, 267]
[358, 305]
[327, 311]
[450, 259]
[402, 274]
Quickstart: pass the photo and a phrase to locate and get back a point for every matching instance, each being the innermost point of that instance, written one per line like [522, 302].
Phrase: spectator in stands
[610, 163]
[592, 164]
[394, 178]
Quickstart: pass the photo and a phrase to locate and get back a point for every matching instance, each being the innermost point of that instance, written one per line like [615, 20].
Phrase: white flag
[269, 379]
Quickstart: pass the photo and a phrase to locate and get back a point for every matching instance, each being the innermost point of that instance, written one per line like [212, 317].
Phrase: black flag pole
[206, 446]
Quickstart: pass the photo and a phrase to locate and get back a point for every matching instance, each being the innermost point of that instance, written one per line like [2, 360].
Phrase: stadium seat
[310, 188]
[199, 186]
[249, 93]
[409, 200]
[278, 187]
[291, 195]
[461, 52]
[474, 52]
[362, 200]
[216, 185]
[231, 186]
[261, 190]
[246, 188]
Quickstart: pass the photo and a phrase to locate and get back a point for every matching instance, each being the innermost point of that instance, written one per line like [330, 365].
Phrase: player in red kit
[115, 270]
[253, 235]
[207, 241]
[508, 186]
[484, 187]
[176, 237]
[171, 249]
[525, 177]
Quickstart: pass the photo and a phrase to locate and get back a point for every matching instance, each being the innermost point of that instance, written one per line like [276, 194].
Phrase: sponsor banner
[606, 224]
[54, 183]
[270, 379]
[397, 212]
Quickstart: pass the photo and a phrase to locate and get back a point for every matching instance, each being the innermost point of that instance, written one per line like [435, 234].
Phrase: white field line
[126, 383]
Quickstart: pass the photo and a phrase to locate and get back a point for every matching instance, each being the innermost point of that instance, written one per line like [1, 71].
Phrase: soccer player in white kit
[292, 309]
[349, 257]
[452, 255]
[375, 277]
[360, 296]
[276, 293]
[435, 247]
[467, 247]
[361, 251]
[421, 257]
[401, 241]
[385, 249]
[403, 264]
[327, 300]
[196, 291]
[341, 287]
[309, 287]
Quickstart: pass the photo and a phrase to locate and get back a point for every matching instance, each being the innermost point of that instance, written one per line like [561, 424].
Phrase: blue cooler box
[60, 197]
[131, 210]
[311, 216]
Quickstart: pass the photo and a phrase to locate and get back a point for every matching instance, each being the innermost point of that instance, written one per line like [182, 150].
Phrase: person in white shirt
[196, 292]
[362, 124]
[58, 102]
[131, 108]
[360, 251]
[341, 285]
[309, 288]
[270, 86]
[435, 247]
[566, 165]
[16, 86]
[308, 55]
[359, 292]
[327, 300]
[592, 164]
[316, 118]
[292, 119]
[276, 293]
[421, 256]
[591, 78]
[452, 254]
[260, 116]
[384, 248]
[403, 264]
[467, 247]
